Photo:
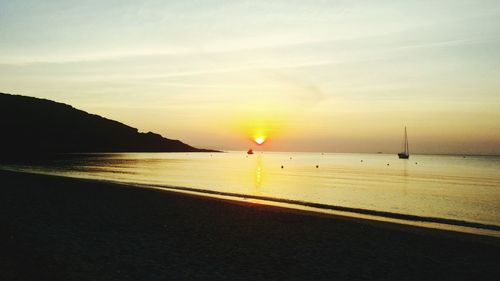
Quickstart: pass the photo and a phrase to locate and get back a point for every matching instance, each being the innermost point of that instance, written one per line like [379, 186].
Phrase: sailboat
[406, 153]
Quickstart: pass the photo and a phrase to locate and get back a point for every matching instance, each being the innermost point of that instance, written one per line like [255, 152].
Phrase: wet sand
[55, 228]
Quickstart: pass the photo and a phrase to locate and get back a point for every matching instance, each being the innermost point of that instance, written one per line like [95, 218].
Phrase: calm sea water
[449, 187]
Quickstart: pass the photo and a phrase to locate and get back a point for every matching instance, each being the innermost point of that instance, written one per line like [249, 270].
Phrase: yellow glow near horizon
[259, 127]
[259, 139]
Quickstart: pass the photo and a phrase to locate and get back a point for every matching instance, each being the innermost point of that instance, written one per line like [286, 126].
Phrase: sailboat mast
[407, 149]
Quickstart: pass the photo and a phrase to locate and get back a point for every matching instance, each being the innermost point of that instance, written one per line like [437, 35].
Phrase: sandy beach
[55, 228]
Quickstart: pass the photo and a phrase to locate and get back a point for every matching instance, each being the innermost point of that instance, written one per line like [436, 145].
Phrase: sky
[330, 76]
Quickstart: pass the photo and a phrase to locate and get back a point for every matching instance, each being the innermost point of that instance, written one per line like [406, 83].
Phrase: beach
[56, 228]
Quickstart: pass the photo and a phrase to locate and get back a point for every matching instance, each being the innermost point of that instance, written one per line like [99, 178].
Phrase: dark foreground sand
[55, 228]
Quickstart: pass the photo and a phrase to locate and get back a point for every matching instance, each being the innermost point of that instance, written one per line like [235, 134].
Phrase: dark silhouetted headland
[39, 126]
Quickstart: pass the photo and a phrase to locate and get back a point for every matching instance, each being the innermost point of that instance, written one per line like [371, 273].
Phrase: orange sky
[308, 75]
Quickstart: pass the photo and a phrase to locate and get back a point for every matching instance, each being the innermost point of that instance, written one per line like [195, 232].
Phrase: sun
[259, 139]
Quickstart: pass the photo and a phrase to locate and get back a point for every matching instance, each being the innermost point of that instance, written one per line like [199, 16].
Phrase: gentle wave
[391, 215]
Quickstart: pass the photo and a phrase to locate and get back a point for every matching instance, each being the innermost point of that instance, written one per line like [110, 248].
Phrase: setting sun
[260, 139]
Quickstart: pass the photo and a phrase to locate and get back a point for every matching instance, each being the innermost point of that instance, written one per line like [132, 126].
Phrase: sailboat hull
[403, 156]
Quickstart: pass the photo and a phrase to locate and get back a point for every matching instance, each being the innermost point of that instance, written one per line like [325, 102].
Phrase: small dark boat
[250, 151]
[406, 153]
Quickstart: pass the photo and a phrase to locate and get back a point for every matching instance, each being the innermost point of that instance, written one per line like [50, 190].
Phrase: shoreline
[437, 223]
[320, 206]
[90, 229]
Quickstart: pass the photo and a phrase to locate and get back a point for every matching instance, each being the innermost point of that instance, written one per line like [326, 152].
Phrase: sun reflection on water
[258, 175]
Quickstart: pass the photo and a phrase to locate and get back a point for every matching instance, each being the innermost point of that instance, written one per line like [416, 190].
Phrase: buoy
[416, 163]
[290, 157]
[281, 166]
[317, 166]
[387, 164]
[361, 160]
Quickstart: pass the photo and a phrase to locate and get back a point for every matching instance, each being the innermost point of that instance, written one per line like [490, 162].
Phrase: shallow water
[449, 187]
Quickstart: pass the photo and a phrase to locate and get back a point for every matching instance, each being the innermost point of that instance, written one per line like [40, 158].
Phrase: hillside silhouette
[33, 125]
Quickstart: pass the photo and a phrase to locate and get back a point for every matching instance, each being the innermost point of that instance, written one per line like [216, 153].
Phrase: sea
[459, 193]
